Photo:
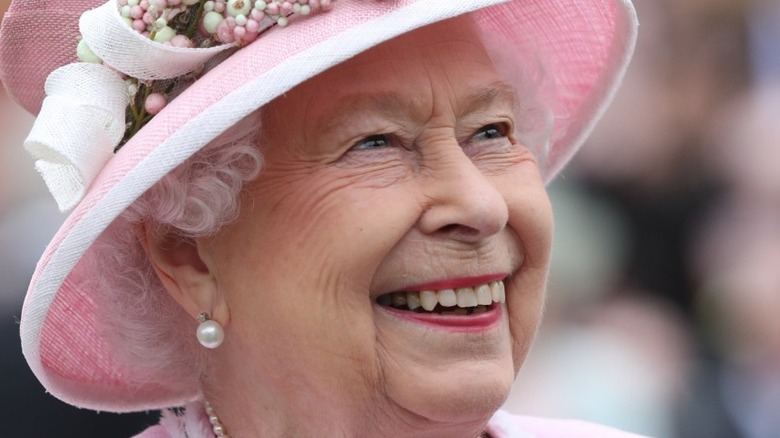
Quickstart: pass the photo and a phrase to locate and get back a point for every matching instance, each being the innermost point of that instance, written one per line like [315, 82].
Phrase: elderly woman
[303, 219]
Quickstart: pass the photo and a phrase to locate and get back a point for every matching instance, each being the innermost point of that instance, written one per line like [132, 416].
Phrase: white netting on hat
[124, 49]
[81, 120]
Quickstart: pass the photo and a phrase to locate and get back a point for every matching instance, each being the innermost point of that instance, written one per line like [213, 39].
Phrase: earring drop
[210, 333]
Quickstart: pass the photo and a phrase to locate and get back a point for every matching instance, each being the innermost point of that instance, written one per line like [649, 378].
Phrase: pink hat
[585, 46]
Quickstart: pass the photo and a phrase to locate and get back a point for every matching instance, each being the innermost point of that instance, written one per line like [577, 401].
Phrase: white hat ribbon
[118, 45]
[82, 119]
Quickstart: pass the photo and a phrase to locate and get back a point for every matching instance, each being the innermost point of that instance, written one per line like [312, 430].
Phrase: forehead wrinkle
[400, 106]
[389, 104]
[483, 96]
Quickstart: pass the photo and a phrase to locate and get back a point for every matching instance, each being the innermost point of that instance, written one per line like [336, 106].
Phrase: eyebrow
[399, 105]
[495, 92]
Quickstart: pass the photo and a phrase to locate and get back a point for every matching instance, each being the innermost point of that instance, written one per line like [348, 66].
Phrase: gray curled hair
[144, 324]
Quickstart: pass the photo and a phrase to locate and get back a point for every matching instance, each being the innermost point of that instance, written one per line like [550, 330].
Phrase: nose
[463, 204]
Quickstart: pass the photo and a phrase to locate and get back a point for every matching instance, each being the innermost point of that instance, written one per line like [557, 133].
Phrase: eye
[372, 142]
[490, 132]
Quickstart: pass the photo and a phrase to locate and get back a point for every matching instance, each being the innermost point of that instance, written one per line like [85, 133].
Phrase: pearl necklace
[219, 429]
[216, 424]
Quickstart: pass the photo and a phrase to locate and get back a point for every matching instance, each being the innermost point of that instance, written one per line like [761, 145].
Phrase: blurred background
[664, 296]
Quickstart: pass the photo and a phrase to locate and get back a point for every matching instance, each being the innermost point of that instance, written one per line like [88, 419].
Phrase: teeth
[494, 292]
[475, 300]
[413, 300]
[429, 299]
[466, 297]
[484, 296]
[497, 292]
[447, 298]
[399, 299]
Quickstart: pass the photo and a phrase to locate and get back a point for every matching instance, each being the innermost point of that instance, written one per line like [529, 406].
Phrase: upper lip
[454, 283]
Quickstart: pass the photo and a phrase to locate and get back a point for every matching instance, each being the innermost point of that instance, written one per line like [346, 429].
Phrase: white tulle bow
[124, 49]
[82, 118]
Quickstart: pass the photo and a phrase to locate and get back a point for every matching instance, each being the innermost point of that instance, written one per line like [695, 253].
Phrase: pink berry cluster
[190, 23]
[155, 19]
[241, 21]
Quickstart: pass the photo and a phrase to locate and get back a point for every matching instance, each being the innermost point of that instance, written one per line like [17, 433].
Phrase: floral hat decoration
[134, 56]
[127, 90]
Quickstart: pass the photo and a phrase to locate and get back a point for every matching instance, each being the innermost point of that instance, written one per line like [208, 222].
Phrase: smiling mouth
[460, 301]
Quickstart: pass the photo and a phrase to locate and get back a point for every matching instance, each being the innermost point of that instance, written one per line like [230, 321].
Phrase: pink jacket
[192, 423]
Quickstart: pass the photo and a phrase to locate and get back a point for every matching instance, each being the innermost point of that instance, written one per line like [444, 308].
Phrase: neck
[242, 416]
[286, 403]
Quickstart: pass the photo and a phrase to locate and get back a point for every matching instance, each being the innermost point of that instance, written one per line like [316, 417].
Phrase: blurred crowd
[662, 305]
[666, 273]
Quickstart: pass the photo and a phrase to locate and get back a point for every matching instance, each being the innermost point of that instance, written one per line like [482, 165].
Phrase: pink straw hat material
[585, 46]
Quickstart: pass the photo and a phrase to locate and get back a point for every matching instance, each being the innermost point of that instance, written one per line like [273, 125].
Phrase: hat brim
[586, 47]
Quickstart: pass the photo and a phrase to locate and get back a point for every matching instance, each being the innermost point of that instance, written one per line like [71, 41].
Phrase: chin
[439, 372]
[460, 397]
[460, 392]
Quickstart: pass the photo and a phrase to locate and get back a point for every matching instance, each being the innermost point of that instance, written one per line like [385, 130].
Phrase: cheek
[318, 228]
[530, 218]
[530, 213]
[309, 249]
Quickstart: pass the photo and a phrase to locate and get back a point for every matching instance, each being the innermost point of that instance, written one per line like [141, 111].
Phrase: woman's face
[396, 171]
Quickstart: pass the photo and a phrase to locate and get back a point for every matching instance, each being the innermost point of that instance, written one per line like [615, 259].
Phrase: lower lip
[455, 323]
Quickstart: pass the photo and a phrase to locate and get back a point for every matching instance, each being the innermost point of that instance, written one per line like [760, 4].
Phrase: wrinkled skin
[397, 167]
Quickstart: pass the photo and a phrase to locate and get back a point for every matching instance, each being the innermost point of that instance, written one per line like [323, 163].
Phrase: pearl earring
[210, 333]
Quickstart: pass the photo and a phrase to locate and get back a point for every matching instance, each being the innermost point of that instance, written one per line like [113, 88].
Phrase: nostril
[449, 228]
[459, 229]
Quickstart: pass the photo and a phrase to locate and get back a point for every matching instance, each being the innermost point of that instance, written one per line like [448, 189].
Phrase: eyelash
[500, 130]
[384, 139]
[497, 130]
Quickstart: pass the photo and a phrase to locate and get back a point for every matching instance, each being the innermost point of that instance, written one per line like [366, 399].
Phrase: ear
[179, 264]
